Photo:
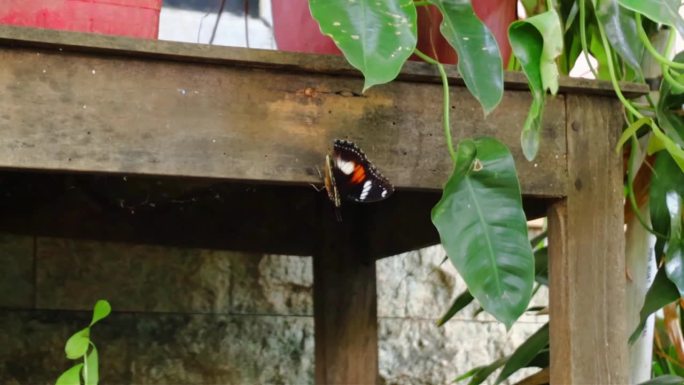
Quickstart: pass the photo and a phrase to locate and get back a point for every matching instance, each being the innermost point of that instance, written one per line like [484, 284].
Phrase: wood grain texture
[309, 63]
[587, 282]
[345, 301]
[88, 112]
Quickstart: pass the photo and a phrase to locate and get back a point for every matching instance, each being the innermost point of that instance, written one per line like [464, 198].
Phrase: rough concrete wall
[187, 316]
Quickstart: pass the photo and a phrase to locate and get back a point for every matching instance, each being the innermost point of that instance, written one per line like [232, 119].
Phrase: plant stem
[649, 47]
[583, 36]
[613, 78]
[446, 103]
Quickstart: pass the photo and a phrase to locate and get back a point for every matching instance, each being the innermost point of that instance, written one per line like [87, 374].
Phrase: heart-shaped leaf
[376, 37]
[536, 42]
[482, 226]
[479, 59]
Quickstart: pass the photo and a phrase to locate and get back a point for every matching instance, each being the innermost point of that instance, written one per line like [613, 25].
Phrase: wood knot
[575, 126]
[578, 184]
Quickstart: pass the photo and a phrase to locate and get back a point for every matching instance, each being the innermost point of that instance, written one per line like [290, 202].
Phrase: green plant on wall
[80, 347]
[377, 37]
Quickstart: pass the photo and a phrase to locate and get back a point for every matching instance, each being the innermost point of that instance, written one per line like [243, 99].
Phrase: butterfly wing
[355, 176]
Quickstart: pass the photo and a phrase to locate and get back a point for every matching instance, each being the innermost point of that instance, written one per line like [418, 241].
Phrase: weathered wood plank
[101, 113]
[345, 300]
[587, 282]
[86, 42]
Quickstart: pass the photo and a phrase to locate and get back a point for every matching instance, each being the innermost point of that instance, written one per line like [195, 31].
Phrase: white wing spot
[355, 37]
[344, 166]
[384, 193]
[336, 23]
[366, 189]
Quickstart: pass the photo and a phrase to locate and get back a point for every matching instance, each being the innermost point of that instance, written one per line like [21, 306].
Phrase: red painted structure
[136, 18]
[295, 30]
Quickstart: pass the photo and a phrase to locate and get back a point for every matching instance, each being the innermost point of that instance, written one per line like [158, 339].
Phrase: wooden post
[345, 300]
[586, 248]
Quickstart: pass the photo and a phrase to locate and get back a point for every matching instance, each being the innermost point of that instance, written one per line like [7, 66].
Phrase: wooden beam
[587, 276]
[345, 301]
[308, 63]
[103, 113]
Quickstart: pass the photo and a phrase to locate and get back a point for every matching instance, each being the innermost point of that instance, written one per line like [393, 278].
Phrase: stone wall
[189, 316]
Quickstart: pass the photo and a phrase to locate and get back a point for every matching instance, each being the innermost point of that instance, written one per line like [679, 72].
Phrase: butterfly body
[349, 175]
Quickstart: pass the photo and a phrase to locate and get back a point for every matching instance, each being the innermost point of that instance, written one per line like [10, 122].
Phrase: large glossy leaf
[375, 36]
[621, 31]
[667, 177]
[661, 293]
[483, 229]
[661, 11]
[479, 59]
[674, 253]
[669, 108]
[525, 353]
[71, 376]
[536, 42]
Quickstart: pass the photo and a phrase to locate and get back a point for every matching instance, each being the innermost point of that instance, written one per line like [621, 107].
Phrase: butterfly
[349, 175]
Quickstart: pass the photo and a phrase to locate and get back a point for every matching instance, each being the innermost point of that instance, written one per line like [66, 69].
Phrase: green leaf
[525, 353]
[93, 376]
[541, 266]
[550, 31]
[479, 59]
[101, 310]
[674, 254]
[621, 32]
[665, 380]
[71, 376]
[669, 103]
[661, 11]
[631, 131]
[463, 300]
[668, 144]
[77, 344]
[482, 226]
[376, 37]
[667, 177]
[536, 42]
[479, 374]
[662, 292]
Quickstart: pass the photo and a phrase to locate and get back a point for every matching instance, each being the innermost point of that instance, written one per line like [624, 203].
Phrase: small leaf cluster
[80, 347]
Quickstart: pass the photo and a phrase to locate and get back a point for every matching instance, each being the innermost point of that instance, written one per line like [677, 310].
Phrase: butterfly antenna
[338, 214]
